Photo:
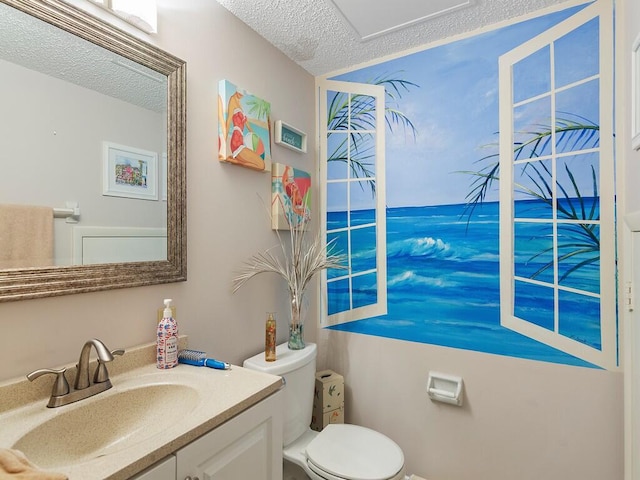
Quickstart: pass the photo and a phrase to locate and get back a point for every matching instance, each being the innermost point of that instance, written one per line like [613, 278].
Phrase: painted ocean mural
[443, 283]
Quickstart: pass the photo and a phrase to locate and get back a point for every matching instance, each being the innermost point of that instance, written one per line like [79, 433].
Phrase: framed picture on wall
[243, 128]
[129, 172]
[290, 196]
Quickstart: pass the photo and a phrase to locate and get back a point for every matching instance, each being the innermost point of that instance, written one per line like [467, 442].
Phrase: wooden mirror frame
[18, 284]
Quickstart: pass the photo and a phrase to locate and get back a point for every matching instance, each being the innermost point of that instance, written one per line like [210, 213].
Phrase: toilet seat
[352, 452]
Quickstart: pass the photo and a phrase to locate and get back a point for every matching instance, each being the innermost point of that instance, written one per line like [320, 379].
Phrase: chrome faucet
[62, 394]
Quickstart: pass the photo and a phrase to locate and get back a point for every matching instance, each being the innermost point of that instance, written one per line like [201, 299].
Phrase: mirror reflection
[93, 135]
[83, 128]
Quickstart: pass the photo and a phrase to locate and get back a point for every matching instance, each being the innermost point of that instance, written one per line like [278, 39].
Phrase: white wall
[227, 220]
[521, 419]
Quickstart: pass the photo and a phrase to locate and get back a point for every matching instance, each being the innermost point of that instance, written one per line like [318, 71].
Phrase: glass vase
[296, 323]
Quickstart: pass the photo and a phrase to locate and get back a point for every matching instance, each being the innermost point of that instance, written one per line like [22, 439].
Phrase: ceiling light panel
[372, 19]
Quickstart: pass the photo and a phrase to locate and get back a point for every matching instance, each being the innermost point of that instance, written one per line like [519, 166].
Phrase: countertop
[225, 393]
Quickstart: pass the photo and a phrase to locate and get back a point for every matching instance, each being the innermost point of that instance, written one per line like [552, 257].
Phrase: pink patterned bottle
[167, 352]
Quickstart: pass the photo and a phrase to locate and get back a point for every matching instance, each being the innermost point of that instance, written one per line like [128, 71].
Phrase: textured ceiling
[316, 35]
[34, 44]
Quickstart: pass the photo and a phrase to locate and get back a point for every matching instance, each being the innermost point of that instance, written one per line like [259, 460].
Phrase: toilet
[339, 451]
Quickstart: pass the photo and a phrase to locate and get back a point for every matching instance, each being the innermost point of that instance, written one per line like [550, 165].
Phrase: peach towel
[26, 236]
[15, 466]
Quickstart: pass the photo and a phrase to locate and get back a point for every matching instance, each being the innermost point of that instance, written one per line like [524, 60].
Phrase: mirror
[102, 98]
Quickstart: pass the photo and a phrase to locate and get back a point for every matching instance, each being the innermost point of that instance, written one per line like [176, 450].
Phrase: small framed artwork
[243, 128]
[129, 172]
[290, 196]
[290, 137]
[635, 94]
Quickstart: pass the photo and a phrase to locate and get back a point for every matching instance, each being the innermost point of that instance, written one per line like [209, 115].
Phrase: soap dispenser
[167, 351]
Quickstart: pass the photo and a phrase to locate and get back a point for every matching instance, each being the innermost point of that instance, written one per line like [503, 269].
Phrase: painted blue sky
[454, 109]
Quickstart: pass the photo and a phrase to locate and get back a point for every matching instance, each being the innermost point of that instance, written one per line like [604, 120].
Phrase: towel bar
[71, 213]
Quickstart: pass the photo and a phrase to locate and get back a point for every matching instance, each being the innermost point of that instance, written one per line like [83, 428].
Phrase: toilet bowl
[339, 451]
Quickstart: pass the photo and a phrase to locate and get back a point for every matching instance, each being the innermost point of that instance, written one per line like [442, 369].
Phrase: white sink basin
[112, 421]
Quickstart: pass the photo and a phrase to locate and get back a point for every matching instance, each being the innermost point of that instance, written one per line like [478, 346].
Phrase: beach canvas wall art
[290, 196]
[243, 128]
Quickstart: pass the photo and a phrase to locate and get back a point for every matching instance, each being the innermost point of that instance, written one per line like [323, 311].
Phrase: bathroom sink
[148, 414]
[106, 423]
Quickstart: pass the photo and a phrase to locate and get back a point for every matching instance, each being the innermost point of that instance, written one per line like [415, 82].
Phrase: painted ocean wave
[420, 247]
[409, 278]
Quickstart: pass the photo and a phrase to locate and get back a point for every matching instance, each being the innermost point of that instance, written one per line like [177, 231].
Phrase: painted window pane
[525, 85]
[337, 203]
[579, 256]
[577, 110]
[534, 304]
[533, 189]
[362, 155]
[362, 217]
[363, 112]
[577, 187]
[579, 318]
[341, 246]
[336, 149]
[365, 290]
[577, 54]
[339, 294]
[527, 117]
[337, 111]
[336, 220]
[363, 204]
[533, 251]
[363, 249]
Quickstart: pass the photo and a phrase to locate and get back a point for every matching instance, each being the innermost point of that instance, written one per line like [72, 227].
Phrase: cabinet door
[247, 446]
[163, 470]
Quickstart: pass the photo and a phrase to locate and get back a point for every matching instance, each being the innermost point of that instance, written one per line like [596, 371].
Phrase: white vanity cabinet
[247, 446]
[163, 470]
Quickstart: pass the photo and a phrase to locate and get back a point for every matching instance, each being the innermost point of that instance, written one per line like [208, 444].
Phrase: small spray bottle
[167, 352]
[270, 338]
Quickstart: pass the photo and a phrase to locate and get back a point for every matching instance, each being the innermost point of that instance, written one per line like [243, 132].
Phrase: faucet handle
[60, 387]
[102, 374]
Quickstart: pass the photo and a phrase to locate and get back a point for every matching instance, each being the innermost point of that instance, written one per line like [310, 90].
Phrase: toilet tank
[298, 367]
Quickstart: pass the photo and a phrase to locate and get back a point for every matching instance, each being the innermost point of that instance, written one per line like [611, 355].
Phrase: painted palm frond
[356, 114]
[572, 133]
[258, 108]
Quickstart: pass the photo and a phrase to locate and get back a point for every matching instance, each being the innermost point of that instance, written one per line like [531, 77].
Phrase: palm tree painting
[443, 191]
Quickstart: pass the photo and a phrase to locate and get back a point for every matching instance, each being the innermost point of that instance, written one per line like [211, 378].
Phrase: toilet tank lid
[286, 360]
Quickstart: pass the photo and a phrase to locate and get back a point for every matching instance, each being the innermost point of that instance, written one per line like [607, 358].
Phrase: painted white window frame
[380, 307]
[607, 356]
